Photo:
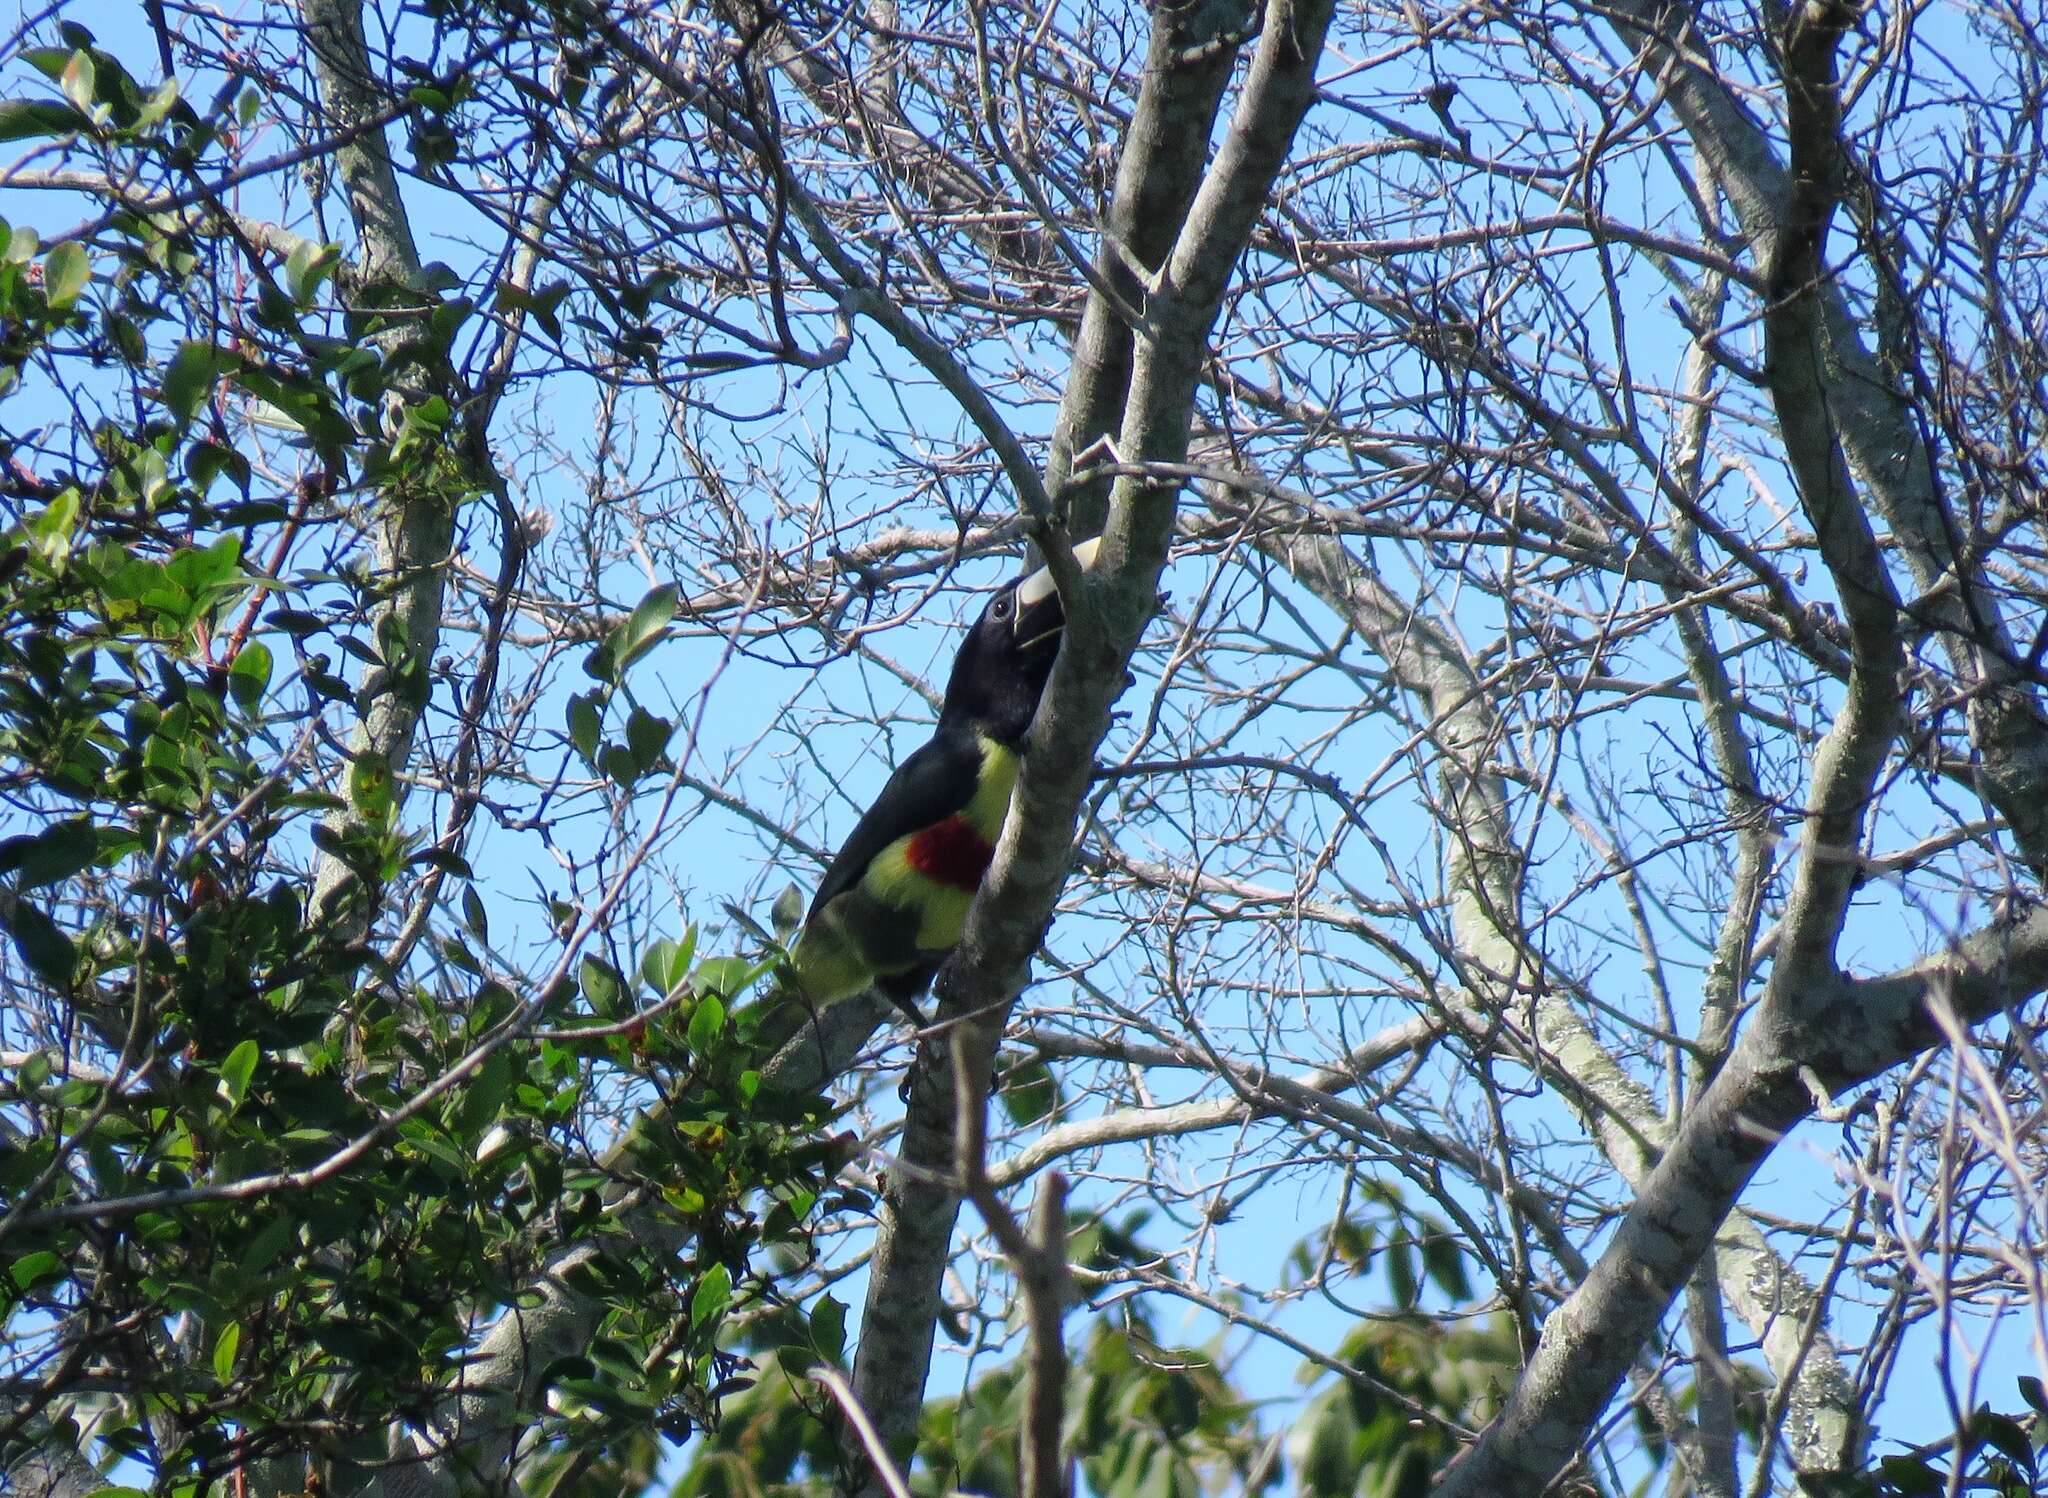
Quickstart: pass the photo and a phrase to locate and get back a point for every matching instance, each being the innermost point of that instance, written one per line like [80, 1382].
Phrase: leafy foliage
[268, 1167]
[1422, 1382]
[1146, 1418]
[353, 1013]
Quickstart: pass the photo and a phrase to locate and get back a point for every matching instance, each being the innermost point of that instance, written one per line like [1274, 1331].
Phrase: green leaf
[51, 528]
[78, 79]
[484, 1098]
[1912, 1476]
[32, 1271]
[665, 965]
[618, 765]
[707, 1022]
[1401, 1274]
[34, 1072]
[295, 621]
[1029, 1092]
[189, 378]
[295, 402]
[201, 571]
[249, 677]
[447, 319]
[268, 1243]
[236, 1071]
[307, 266]
[644, 626]
[786, 914]
[224, 1349]
[162, 100]
[602, 987]
[325, 682]
[712, 1295]
[1445, 1265]
[43, 946]
[635, 635]
[828, 1328]
[646, 736]
[2005, 1434]
[67, 271]
[55, 854]
[128, 339]
[23, 119]
[2030, 1390]
[447, 860]
[543, 303]
[362, 650]
[585, 726]
[208, 460]
[547, 302]
[728, 977]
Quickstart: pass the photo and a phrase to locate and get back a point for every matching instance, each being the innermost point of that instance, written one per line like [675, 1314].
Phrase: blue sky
[869, 427]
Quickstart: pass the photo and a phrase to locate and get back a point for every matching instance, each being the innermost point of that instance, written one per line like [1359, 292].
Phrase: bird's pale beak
[1037, 598]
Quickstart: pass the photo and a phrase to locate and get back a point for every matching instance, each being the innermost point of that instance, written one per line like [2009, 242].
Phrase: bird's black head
[1007, 657]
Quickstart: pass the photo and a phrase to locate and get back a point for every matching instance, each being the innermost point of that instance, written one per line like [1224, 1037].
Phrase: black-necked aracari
[894, 902]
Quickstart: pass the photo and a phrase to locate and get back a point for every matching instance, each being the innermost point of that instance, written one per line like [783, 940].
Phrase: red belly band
[951, 853]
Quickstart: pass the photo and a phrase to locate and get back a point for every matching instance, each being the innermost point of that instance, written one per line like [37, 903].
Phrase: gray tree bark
[1850, 445]
[415, 535]
[1152, 422]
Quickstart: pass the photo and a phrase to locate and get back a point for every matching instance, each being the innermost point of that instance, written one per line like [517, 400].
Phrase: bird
[894, 902]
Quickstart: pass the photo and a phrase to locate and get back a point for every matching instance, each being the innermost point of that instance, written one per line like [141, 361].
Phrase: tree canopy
[1516, 962]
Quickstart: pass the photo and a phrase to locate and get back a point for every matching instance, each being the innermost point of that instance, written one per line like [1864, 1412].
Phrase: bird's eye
[1002, 605]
